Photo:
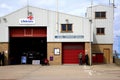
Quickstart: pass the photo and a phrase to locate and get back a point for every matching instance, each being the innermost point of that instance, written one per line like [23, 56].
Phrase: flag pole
[90, 34]
[27, 8]
[57, 15]
[109, 2]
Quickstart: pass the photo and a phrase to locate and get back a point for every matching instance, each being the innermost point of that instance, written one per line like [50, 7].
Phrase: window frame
[66, 27]
[100, 31]
[100, 15]
[28, 32]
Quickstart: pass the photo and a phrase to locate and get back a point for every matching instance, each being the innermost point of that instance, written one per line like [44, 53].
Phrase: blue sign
[23, 59]
[26, 21]
[69, 36]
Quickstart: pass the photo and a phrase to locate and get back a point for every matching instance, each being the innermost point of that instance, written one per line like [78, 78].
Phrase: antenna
[57, 15]
[91, 2]
[27, 7]
[113, 7]
[109, 2]
[91, 8]
[90, 34]
[114, 3]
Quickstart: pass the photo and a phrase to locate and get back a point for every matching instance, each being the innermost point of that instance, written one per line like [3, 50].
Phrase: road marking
[90, 73]
[88, 70]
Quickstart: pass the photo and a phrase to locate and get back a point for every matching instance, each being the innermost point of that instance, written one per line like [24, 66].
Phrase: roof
[110, 6]
[42, 9]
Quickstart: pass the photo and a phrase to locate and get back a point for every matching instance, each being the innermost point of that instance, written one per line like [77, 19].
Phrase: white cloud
[78, 12]
[22, 2]
[5, 6]
[47, 4]
[4, 9]
[74, 7]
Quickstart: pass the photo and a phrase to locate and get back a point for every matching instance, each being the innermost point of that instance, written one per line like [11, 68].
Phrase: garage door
[71, 52]
[27, 41]
[28, 32]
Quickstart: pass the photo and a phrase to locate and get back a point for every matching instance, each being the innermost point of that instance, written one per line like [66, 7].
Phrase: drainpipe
[90, 34]
[90, 43]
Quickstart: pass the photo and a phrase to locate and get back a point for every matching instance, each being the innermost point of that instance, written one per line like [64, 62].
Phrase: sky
[74, 7]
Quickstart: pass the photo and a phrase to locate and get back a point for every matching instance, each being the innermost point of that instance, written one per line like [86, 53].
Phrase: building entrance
[27, 45]
[71, 52]
[32, 48]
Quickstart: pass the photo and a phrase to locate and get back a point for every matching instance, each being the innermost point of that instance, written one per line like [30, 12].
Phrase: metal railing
[116, 58]
[117, 55]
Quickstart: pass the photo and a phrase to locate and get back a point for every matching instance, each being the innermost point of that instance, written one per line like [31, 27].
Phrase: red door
[97, 58]
[71, 52]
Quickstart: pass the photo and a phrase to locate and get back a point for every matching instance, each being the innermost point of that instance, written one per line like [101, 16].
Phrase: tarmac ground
[60, 72]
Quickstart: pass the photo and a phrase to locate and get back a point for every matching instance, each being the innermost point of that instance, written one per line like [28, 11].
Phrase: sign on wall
[56, 51]
[68, 36]
[26, 21]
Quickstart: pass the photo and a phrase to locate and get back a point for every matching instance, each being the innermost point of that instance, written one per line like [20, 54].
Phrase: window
[28, 32]
[100, 31]
[100, 15]
[66, 27]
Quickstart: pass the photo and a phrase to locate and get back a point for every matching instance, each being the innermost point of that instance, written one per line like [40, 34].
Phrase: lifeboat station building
[59, 37]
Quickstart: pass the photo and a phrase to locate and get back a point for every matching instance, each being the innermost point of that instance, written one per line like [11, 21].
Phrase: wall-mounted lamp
[67, 21]
[5, 20]
[90, 20]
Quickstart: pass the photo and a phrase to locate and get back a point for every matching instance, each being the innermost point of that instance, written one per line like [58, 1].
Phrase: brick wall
[99, 48]
[87, 49]
[57, 59]
[4, 47]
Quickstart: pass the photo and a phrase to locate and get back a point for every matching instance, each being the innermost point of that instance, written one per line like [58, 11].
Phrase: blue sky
[74, 7]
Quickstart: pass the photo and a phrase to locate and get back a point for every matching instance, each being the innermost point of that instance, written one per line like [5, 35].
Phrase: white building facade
[59, 37]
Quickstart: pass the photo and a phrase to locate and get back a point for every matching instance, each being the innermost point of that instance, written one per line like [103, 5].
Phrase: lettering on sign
[69, 36]
[26, 21]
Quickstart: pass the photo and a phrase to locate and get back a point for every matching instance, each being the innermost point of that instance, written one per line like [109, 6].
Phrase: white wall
[102, 23]
[81, 27]
[4, 33]
[42, 17]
